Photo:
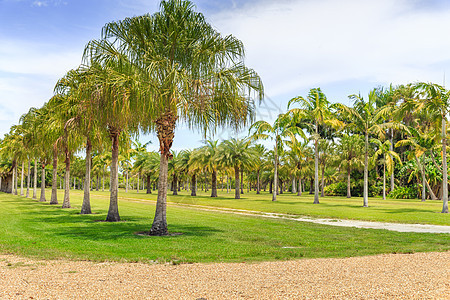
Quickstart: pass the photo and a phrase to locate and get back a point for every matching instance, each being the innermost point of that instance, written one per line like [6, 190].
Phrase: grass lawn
[30, 228]
[390, 210]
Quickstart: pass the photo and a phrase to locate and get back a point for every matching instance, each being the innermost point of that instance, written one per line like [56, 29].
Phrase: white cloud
[296, 45]
[40, 3]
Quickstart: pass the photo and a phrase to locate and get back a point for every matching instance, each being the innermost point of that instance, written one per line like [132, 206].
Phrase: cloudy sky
[343, 46]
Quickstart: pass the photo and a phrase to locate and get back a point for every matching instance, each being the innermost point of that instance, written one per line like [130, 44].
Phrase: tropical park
[79, 184]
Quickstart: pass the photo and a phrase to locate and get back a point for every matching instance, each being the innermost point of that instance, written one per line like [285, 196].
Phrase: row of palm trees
[151, 72]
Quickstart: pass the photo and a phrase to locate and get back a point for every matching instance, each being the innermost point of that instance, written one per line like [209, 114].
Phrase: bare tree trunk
[366, 172]
[28, 179]
[349, 192]
[54, 195]
[86, 206]
[228, 185]
[103, 180]
[42, 198]
[294, 185]
[137, 186]
[16, 182]
[66, 202]
[126, 183]
[424, 191]
[35, 180]
[113, 211]
[237, 194]
[21, 179]
[214, 183]
[300, 188]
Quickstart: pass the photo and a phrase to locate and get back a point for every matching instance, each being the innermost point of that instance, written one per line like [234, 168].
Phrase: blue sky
[343, 46]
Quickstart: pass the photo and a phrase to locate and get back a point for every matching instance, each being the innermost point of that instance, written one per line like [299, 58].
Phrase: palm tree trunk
[175, 182]
[149, 185]
[294, 185]
[258, 184]
[194, 185]
[228, 186]
[35, 180]
[165, 132]
[103, 180]
[137, 186]
[17, 180]
[21, 179]
[237, 194]
[28, 179]
[433, 196]
[13, 178]
[384, 178]
[214, 184]
[42, 198]
[54, 195]
[126, 183]
[66, 202]
[316, 169]
[113, 211]
[86, 206]
[275, 173]
[322, 193]
[299, 191]
[242, 180]
[424, 192]
[444, 167]
[366, 172]
[391, 148]
[349, 192]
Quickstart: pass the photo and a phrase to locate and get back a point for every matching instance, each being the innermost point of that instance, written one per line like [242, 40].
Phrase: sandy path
[393, 276]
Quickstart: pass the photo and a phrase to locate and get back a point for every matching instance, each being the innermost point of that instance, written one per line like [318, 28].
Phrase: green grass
[390, 210]
[40, 230]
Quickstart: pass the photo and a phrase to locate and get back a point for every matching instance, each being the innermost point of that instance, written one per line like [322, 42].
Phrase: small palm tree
[388, 160]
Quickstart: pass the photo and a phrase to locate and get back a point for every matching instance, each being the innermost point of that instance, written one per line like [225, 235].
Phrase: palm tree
[350, 152]
[298, 156]
[206, 159]
[435, 99]
[191, 71]
[276, 132]
[236, 153]
[326, 152]
[258, 165]
[366, 119]
[315, 112]
[388, 159]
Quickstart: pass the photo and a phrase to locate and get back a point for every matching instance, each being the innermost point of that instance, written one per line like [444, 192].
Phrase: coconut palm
[315, 113]
[298, 156]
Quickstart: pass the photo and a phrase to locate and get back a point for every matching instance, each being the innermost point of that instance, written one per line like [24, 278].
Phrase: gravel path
[393, 276]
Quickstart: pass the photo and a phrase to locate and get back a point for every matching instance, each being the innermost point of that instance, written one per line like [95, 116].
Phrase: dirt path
[393, 276]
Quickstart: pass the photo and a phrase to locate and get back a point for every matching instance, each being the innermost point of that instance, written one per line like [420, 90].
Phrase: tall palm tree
[192, 73]
[276, 132]
[365, 118]
[435, 99]
[315, 111]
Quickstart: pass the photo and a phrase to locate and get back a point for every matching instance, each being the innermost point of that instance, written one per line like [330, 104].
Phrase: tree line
[152, 72]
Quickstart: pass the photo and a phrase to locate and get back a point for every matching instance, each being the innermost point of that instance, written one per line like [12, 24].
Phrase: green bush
[336, 189]
[403, 192]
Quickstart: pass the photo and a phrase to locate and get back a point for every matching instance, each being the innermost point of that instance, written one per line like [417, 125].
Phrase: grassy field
[30, 228]
[390, 210]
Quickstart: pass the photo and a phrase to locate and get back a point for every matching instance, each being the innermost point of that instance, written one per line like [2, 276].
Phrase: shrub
[403, 192]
